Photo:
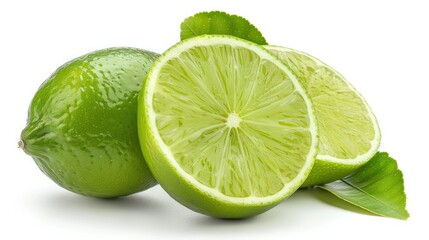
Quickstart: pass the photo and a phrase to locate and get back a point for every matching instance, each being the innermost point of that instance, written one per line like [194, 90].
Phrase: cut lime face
[223, 120]
[348, 131]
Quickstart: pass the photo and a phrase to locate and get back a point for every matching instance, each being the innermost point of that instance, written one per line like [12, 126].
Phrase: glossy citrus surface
[81, 129]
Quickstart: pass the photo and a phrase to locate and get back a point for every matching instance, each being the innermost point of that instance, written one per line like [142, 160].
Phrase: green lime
[225, 127]
[348, 130]
[82, 124]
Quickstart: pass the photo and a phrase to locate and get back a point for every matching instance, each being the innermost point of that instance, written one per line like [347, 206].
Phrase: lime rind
[147, 118]
[64, 134]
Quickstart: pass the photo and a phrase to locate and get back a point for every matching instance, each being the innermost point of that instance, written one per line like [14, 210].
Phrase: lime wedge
[348, 130]
[227, 130]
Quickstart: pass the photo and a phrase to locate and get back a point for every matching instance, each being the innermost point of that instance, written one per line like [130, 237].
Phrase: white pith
[359, 160]
[232, 121]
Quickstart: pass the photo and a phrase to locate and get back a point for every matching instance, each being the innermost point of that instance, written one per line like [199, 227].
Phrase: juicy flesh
[345, 130]
[232, 120]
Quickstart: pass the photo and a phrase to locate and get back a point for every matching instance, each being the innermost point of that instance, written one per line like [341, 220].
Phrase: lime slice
[348, 131]
[227, 130]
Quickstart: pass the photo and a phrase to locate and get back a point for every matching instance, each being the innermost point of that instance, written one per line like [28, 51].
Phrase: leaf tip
[218, 22]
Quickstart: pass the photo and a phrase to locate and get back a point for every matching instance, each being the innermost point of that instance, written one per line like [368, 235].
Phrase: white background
[381, 47]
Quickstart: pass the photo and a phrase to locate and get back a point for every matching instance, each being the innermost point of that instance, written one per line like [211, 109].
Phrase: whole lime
[82, 124]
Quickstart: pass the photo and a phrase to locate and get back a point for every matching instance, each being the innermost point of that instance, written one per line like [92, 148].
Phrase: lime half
[226, 128]
[348, 130]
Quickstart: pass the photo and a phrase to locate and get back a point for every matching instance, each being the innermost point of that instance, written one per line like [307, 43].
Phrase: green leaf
[378, 187]
[220, 23]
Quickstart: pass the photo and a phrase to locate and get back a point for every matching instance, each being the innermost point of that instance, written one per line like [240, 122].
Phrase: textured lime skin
[82, 124]
[325, 172]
